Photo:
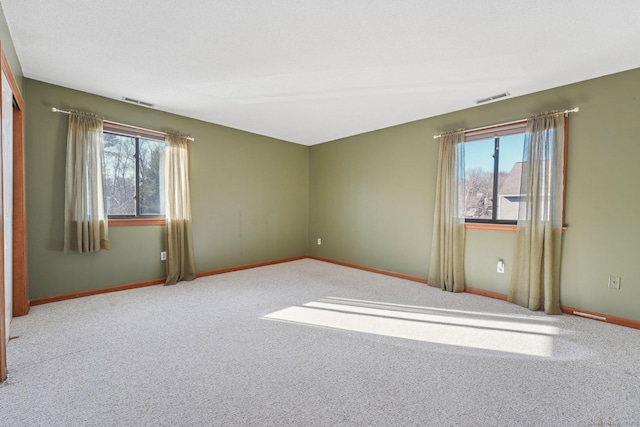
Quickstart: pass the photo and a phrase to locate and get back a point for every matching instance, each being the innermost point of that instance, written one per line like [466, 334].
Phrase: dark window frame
[495, 133]
[137, 134]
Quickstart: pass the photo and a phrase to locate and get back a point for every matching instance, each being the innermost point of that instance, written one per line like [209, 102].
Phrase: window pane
[478, 158]
[119, 174]
[509, 173]
[151, 177]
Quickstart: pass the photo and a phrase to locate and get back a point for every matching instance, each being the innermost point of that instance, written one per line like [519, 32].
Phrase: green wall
[372, 195]
[249, 197]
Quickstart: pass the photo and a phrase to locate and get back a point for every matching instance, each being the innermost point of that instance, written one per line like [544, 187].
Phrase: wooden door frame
[19, 260]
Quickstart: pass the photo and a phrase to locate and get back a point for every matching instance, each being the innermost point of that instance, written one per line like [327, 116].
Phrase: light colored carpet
[308, 343]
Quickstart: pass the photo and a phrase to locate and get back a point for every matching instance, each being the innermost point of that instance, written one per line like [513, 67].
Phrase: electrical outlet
[500, 267]
[614, 282]
[163, 256]
[319, 241]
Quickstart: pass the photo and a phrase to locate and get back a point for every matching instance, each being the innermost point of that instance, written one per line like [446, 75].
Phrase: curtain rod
[566, 112]
[57, 110]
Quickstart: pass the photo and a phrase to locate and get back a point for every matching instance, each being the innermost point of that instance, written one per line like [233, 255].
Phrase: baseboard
[620, 321]
[63, 297]
[601, 317]
[496, 295]
[249, 266]
[489, 294]
[372, 270]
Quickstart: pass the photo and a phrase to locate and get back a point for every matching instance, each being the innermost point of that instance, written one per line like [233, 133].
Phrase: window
[133, 177]
[493, 167]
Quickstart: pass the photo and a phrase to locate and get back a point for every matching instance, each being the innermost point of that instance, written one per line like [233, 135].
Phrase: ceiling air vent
[138, 102]
[492, 98]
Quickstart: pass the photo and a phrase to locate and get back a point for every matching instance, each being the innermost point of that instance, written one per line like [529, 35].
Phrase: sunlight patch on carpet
[511, 334]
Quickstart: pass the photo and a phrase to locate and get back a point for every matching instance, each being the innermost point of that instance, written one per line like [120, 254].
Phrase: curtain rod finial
[54, 109]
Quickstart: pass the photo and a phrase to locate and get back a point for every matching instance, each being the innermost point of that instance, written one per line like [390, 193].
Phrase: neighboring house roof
[511, 184]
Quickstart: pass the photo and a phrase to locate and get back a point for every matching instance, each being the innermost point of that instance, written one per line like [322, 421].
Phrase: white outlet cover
[614, 282]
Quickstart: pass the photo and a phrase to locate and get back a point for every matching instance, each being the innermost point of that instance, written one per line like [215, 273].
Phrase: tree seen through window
[493, 166]
[133, 176]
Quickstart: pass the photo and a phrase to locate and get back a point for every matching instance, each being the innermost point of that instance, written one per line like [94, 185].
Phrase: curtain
[180, 262]
[85, 220]
[446, 269]
[535, 279]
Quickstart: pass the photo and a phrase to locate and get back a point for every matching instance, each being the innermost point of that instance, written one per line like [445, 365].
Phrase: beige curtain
[180, 259]
[85, 220]
[446, 269]
[535, 279]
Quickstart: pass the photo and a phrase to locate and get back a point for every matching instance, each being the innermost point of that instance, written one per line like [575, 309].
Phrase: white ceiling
[311, 71]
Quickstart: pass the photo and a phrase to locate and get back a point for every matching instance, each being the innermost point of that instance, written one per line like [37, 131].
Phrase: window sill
[489, 227]
[495, 227]
[128, 222]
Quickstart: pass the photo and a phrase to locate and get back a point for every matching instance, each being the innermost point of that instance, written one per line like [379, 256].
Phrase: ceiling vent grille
[492, 98]
[137, 102]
